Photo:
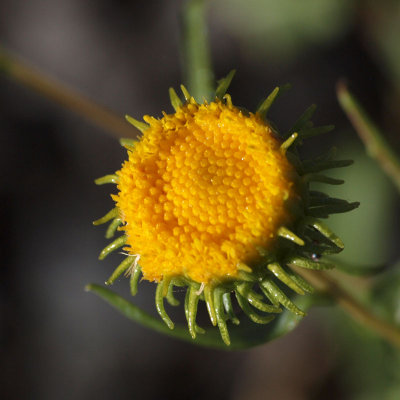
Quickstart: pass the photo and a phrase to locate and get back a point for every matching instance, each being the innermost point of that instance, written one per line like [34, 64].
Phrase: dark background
[58, 342]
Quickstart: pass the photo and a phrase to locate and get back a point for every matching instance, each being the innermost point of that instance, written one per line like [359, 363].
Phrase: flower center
[202, 189]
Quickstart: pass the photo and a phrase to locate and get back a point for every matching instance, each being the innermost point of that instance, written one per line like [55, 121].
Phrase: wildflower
[214, 199]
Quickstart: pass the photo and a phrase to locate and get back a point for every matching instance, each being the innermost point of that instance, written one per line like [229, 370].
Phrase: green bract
[261, 289]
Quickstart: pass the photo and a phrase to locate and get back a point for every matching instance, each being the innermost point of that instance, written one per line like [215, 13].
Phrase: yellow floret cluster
[202, 190]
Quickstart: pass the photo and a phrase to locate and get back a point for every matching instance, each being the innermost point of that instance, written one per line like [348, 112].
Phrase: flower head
[202, 189]
[213, 198]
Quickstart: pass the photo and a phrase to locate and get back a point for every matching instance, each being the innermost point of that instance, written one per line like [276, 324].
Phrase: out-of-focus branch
[196, 52]
[323, 282]
[67, 97]
[375, 143]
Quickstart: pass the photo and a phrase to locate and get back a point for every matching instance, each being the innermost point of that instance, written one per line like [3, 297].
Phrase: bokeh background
[58, 342]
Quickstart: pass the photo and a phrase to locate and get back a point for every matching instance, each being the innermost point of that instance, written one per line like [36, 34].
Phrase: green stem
[323, 282]
[71, 99]
[374, 141]
[196, 52]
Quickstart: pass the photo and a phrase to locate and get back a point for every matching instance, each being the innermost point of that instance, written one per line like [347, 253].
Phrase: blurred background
[58, 341]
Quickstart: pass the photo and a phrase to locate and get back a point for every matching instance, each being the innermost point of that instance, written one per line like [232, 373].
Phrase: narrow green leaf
[109, 216]
[127, 142]
[323, 201]
[244, 336]
[226, 299]
[107, 179]
[289, 235]
[324, 230]
[113, 227]
[192, 302]
[116, 244]
[267, 103]
[141, 126]
[223, 84]
[209, 299]
[300, 281]
[135, 275]
[304, 262]
[250, 296]
[174, 98]
[170, 295]
[284, 277]
[160, 305]
[302, 121]
[322, 179]
[256, 318]
[221, 318]
[307, 133]
[318, 166]
[125, 264]
[327, 209]
[281, 297]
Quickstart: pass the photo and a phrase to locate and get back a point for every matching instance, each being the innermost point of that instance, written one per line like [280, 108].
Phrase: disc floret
[215, 200]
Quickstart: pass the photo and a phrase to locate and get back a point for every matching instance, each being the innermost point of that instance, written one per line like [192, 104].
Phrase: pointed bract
[142, 126]
[213, 201]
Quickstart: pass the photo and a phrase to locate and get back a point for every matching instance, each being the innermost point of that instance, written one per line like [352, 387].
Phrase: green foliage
[242, 336]
[385, 295]
[280, 30]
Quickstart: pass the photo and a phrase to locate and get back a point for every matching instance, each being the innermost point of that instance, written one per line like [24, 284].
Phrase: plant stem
[197, 60]
[71, 99]
[374, 141]
[323, 282]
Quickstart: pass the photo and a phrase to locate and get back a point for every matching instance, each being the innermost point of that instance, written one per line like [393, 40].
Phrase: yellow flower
[201, 191]
[212, 199]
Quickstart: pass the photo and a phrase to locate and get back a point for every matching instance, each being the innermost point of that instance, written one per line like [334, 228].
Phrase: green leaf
[223, 84]
[176, 102]
[318, 166]
[374, 140]
[385, 295]
[303, 119]
[365, 230]
[307, 133]
[267, 103]
[243, 336]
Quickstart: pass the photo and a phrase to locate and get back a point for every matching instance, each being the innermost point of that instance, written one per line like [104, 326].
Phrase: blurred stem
[28, 76]
[196, 52]
[323, 282]
[374, 141]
